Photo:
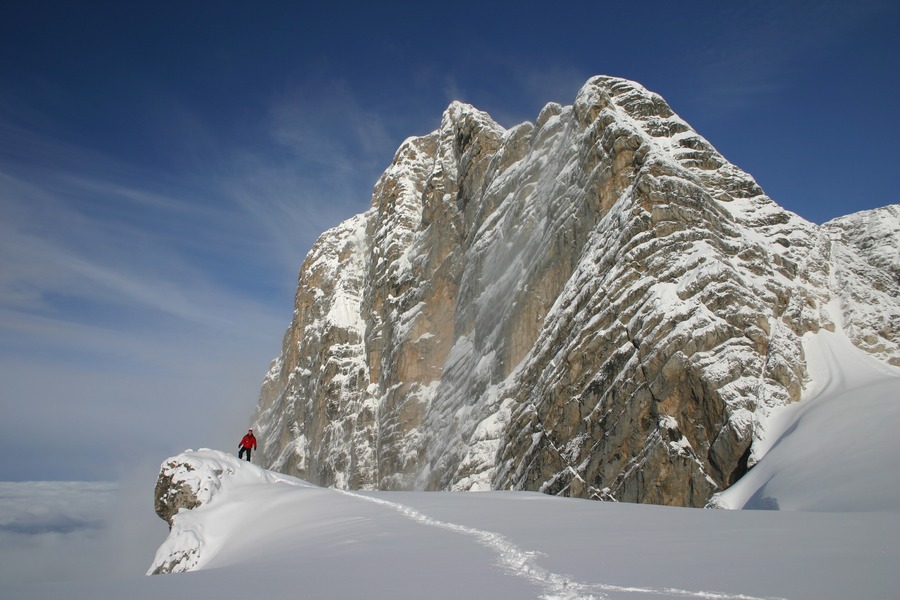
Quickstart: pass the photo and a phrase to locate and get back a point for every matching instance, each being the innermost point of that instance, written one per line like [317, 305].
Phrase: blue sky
[165, 166]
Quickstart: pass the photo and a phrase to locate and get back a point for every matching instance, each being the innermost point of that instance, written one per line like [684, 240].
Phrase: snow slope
[262, 534]
[292, 540]
[837, 449]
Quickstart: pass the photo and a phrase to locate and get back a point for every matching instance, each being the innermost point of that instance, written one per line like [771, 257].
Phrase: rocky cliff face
[596, 304]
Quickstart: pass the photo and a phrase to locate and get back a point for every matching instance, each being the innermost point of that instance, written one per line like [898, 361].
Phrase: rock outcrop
[188, 483]
[596, 304]
[185, 482]
[866, 271]
[172, 492]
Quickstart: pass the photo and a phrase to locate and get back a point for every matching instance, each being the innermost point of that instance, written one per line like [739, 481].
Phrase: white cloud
[33, 508]
[49, 530]
[58, 531]
[59, 262]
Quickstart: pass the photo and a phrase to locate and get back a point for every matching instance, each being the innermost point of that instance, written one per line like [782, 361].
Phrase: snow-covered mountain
[596, 305]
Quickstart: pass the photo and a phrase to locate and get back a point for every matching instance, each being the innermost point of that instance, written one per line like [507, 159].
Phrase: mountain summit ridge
[596, 304]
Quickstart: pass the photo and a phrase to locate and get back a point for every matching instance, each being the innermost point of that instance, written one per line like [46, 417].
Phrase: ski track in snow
[521, 563]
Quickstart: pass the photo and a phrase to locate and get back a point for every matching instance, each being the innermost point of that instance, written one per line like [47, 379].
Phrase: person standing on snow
[248, 442]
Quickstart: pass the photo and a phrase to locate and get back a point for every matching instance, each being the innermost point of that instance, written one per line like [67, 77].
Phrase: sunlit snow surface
[837, 449]
[268, 536]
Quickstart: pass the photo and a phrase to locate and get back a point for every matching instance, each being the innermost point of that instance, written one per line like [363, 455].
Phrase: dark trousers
[241, 453]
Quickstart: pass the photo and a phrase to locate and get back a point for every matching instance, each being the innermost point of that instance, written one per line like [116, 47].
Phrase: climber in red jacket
[248, 442]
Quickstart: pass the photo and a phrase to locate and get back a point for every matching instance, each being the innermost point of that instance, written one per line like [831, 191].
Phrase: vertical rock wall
[597, 304]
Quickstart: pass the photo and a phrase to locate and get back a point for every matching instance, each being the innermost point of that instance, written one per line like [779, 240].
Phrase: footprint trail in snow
[522, 563]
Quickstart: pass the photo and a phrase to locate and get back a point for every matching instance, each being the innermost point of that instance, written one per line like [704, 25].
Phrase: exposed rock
[866, 246]
[171, 495]
[596, 305]
[188, 483]
[185, 482]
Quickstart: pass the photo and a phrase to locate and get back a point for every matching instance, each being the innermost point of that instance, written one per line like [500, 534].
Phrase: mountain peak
[597, 304]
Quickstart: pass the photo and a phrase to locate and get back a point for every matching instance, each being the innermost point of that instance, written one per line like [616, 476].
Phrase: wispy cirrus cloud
[59, 256]
[139, 304]
[126, 299]
[320, 153]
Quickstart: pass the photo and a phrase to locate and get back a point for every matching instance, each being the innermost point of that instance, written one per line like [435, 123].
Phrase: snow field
[285, 539]
[829, 470]
[298, 540]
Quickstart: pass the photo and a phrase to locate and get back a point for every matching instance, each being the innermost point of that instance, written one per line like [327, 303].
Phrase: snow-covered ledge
[187, 484]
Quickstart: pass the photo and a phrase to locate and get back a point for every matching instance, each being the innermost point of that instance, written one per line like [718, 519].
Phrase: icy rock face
[866, 277]
[597, 304]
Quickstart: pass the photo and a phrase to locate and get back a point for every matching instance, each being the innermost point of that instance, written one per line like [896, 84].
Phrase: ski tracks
[522, 563]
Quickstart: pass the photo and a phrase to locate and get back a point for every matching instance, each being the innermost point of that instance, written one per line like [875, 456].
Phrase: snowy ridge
[875, 234]
[259, 528]
[831, 466]
[865, 252]
[329, 309]
[208, 474]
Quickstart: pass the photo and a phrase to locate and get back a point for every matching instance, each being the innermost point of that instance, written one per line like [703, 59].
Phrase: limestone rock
[171, 494]
[184, 483]
[597, 304]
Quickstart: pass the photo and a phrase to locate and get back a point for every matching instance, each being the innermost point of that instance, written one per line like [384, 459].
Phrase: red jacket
[249, 441]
